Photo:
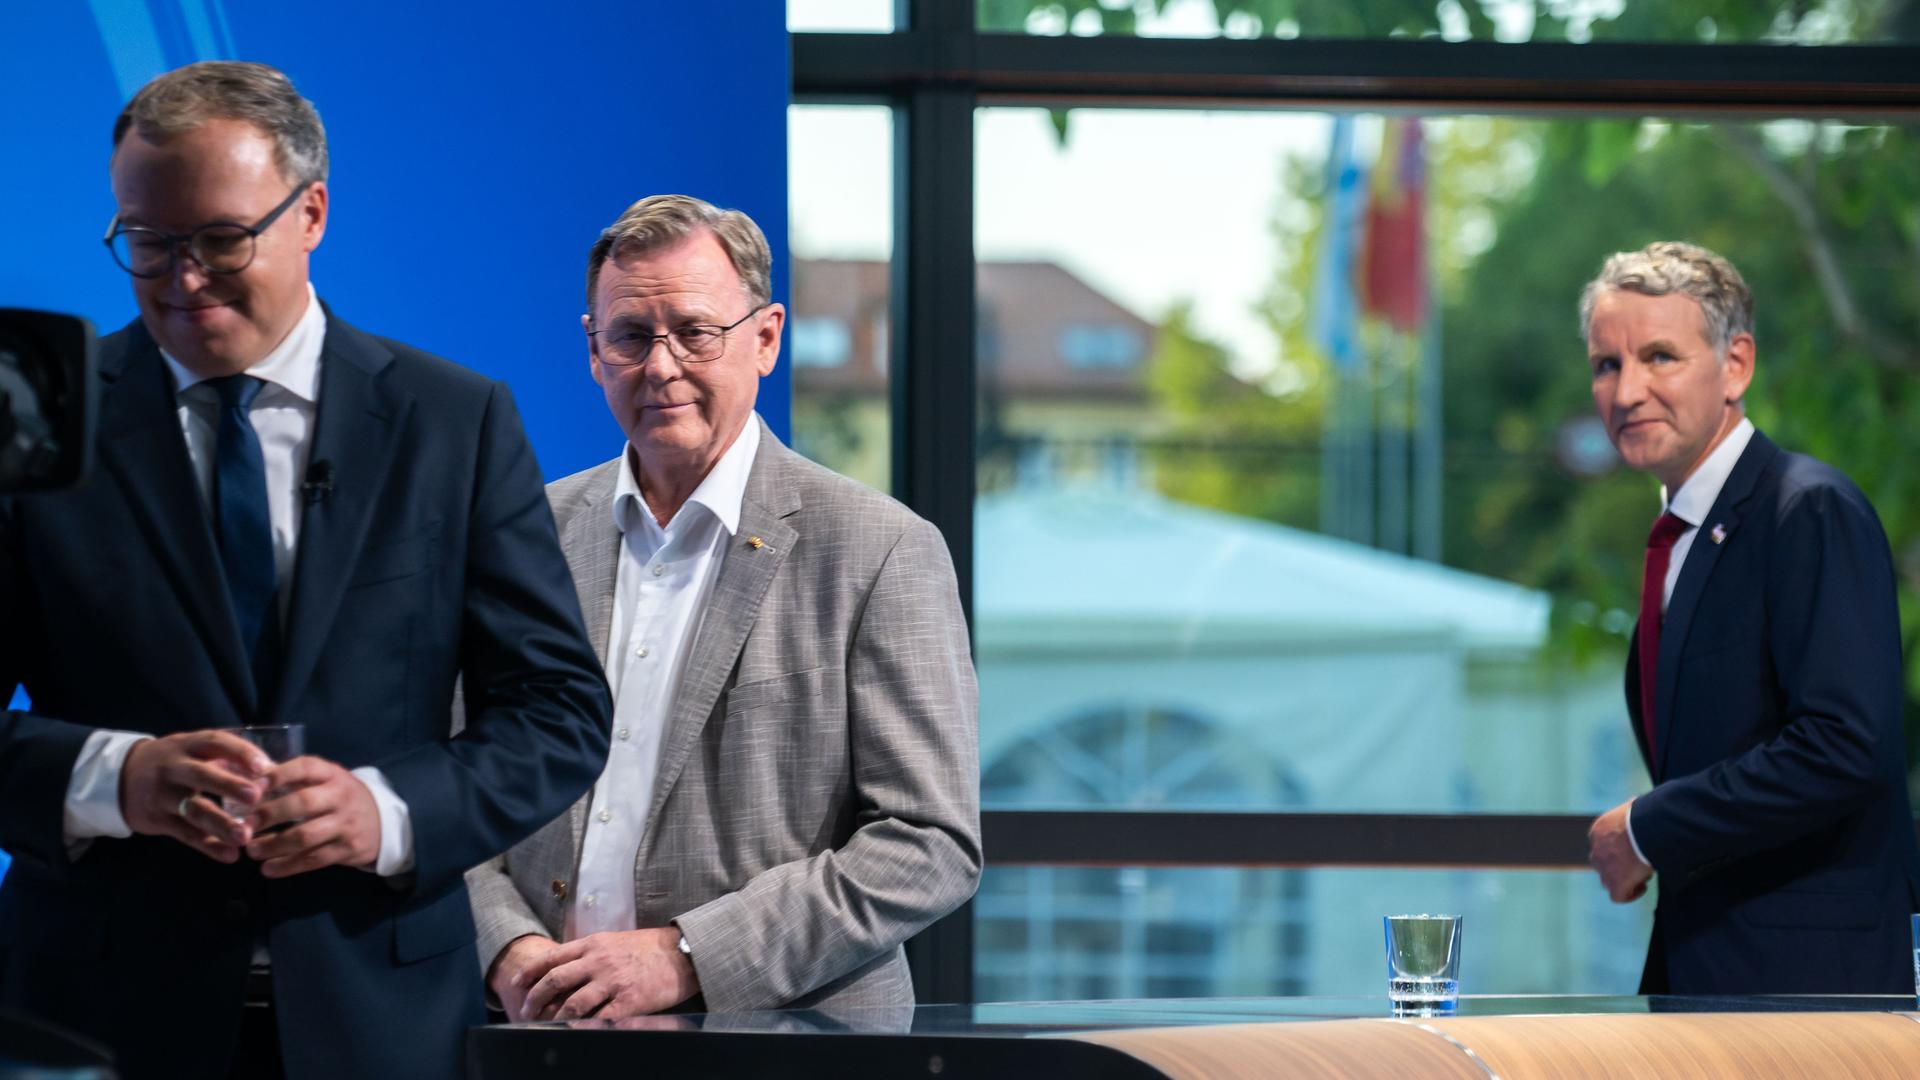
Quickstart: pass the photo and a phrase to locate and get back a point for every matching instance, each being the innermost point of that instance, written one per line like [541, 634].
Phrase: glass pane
[1290, 490]
[840, 169]
[840, 16]
[1067, 933]
[1787, 22]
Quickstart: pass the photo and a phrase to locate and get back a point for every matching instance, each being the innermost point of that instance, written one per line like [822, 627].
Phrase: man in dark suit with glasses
[293, 522]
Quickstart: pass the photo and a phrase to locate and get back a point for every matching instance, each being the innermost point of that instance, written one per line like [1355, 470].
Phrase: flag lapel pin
[1719, 534]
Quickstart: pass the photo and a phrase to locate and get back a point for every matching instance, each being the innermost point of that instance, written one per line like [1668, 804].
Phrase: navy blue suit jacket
[433, 557]
[1779, 822]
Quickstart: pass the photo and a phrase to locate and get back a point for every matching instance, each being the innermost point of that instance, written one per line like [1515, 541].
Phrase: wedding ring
[181, 810]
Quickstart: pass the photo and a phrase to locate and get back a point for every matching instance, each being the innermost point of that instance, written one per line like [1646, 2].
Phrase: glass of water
[1423, 964]
[280, 742]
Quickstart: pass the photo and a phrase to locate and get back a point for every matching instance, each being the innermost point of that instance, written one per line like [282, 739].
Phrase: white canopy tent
[1305, 673]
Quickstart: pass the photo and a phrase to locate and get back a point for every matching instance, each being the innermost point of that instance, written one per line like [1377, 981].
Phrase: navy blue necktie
[240, 512]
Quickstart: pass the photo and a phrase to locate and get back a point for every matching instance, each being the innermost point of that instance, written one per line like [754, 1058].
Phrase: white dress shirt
[661, 587]
[1691, 504]
[1697, 495]
[282, 416]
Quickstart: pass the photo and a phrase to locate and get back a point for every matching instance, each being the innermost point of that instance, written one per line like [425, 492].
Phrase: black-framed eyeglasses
[696, 343]
[219, 248]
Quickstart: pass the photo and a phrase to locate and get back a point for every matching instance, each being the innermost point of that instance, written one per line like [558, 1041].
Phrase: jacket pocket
[33, 920]
[438, 926]
[1827, 910]
[394, 560]
[1707, 648]
[797, 687]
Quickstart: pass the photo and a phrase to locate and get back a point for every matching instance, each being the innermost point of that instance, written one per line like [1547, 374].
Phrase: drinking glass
[1423, 964]
[280, 742]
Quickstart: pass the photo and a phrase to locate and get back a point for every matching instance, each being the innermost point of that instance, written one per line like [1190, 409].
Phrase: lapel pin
[757, 544]
[1719, 534]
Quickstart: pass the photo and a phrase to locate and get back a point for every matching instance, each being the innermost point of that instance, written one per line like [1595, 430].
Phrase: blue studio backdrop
[477, 150]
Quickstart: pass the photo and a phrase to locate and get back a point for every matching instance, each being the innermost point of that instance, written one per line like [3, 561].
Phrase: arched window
[1129, 932]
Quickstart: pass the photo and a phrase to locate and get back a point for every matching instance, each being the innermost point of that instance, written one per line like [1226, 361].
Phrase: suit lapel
[1702, 556]
[1632, 683]
[592, 543]
[147, 454]
[356, 429]
[746, 572]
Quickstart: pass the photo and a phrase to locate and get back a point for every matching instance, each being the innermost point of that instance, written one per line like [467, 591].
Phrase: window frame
[936, 69]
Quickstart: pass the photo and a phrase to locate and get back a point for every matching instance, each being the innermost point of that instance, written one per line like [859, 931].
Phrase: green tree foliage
[1230, 444]
[1823, 219]
[1801, 21]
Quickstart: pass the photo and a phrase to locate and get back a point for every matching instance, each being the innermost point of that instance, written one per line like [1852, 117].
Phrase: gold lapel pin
[756, 543]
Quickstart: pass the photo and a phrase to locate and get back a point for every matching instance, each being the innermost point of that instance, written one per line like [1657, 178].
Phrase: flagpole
[1429, 468]
[1346, 408]
[1396, 415]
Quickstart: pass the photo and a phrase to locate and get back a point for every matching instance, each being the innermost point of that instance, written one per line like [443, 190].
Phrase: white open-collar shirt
[662, 583]
[1697, 495]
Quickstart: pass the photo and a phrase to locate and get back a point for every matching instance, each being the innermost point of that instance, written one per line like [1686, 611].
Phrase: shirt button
[641, 652]
[606, 815]
[592, 899]
[623, 734]
[659, 568]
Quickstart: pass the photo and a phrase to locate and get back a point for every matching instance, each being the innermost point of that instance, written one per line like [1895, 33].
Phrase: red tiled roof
[1028, 310]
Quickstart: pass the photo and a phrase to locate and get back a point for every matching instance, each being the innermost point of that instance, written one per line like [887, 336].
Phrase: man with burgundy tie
[292, 522]
[1767, 695]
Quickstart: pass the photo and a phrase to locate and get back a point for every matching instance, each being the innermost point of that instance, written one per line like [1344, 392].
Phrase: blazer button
[559, 889]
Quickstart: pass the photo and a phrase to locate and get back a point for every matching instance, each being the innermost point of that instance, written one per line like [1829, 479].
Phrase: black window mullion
[932, 359]
[1853, 79]
[936, 70]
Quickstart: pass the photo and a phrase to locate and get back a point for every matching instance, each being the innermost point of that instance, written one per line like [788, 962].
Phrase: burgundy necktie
[1666, 529]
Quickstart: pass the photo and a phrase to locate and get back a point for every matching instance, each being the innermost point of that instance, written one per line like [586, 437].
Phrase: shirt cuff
[93, 790]
[1635, 844]
[396, 826]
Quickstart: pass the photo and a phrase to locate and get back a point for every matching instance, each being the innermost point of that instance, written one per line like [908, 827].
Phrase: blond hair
[1674, 266]
[658, 222]
[184, 98]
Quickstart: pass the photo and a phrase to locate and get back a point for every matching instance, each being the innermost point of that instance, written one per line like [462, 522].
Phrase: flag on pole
[1335, 322]
[1394, 258]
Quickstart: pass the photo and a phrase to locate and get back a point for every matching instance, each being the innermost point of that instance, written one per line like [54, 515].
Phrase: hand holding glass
[281, 742]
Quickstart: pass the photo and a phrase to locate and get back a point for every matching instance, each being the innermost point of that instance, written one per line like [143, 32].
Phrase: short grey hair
[658, 222]
[185, 98]
[1675, 266]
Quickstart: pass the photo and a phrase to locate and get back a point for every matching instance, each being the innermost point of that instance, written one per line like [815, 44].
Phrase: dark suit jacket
[435, 555]
[1779, 823]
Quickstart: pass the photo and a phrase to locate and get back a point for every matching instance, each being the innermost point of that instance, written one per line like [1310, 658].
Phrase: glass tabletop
[1017, 1019]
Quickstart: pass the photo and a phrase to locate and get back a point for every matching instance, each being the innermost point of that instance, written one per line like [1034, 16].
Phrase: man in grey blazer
[793, 789]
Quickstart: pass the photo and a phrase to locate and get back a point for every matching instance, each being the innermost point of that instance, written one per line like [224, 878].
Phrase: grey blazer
[817, 799]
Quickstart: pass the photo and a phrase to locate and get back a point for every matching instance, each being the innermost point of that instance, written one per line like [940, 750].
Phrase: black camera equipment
[47, 400]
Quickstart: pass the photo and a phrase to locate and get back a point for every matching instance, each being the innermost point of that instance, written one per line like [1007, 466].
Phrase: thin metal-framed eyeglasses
[219, 248]
[695, 343]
